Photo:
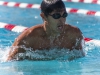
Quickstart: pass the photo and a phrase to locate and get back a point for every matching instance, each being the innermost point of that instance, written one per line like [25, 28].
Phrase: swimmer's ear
[43, 16]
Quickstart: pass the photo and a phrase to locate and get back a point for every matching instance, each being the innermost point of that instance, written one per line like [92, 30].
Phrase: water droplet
[36, 17]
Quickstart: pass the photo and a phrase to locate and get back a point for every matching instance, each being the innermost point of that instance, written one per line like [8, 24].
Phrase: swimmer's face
[57, 19]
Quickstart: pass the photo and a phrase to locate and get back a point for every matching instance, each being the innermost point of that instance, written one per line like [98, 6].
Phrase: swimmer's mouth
[60, 26]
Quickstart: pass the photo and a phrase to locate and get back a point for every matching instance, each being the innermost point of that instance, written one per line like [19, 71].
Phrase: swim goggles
[58, 15]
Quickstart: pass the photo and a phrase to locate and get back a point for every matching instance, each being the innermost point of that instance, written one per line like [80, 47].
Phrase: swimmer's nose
[61, 22]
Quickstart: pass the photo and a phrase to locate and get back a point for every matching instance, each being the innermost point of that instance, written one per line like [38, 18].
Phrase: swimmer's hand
[9, 58]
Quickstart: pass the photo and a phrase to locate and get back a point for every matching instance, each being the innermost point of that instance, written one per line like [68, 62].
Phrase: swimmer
[53, 33]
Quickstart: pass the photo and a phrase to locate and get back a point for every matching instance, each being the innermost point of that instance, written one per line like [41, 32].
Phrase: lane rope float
[84, 1]
[37, 6]
[12, 27]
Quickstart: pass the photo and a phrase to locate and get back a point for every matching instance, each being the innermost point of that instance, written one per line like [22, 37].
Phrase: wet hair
[47, 6]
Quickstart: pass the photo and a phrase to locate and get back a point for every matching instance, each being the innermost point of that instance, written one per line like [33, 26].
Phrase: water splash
[3, 53]
[52, 54]
[47, 54]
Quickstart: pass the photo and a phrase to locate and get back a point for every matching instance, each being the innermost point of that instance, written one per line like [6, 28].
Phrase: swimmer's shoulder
[36, 30]
[72, 28]
[73, 31]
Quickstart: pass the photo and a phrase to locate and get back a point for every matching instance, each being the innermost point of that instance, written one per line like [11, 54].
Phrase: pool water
[89, 25]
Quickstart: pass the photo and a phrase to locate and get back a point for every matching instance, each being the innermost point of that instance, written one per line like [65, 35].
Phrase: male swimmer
[53, 33]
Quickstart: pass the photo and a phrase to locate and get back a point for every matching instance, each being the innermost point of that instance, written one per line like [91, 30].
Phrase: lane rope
[37, 6]
[84, 1]
[12, 27]
[18, 29]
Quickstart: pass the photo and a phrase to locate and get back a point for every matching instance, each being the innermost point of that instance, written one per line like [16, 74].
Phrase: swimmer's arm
[78, 47]
[78, 39]
[12, 54]
[15, 48]
[20, 41]
[79, 43]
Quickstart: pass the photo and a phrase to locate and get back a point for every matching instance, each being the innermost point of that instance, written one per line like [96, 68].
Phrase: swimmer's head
[48, 6]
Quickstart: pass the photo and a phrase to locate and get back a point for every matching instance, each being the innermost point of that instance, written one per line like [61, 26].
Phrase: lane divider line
[84, 1]
[12, 27]
[20, 5]
[83, 11]
[37, 6]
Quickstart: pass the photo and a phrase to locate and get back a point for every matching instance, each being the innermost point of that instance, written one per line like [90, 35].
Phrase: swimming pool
[89, 25]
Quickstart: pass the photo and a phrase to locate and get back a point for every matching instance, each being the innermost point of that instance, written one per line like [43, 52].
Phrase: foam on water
[3, 53]
[44, 54]
[52, 54]
[61, 54]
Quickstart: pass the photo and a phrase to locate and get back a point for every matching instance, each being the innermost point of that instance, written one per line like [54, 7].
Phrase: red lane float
[12, 27]
[83, 11]
[37, 6]
[84, 1]
[16, 28]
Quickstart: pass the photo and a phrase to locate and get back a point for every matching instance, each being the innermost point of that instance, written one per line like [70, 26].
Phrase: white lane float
[18, 29]
[37, 6]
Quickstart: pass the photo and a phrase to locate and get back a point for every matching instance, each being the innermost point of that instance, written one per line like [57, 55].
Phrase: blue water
[89, 25]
